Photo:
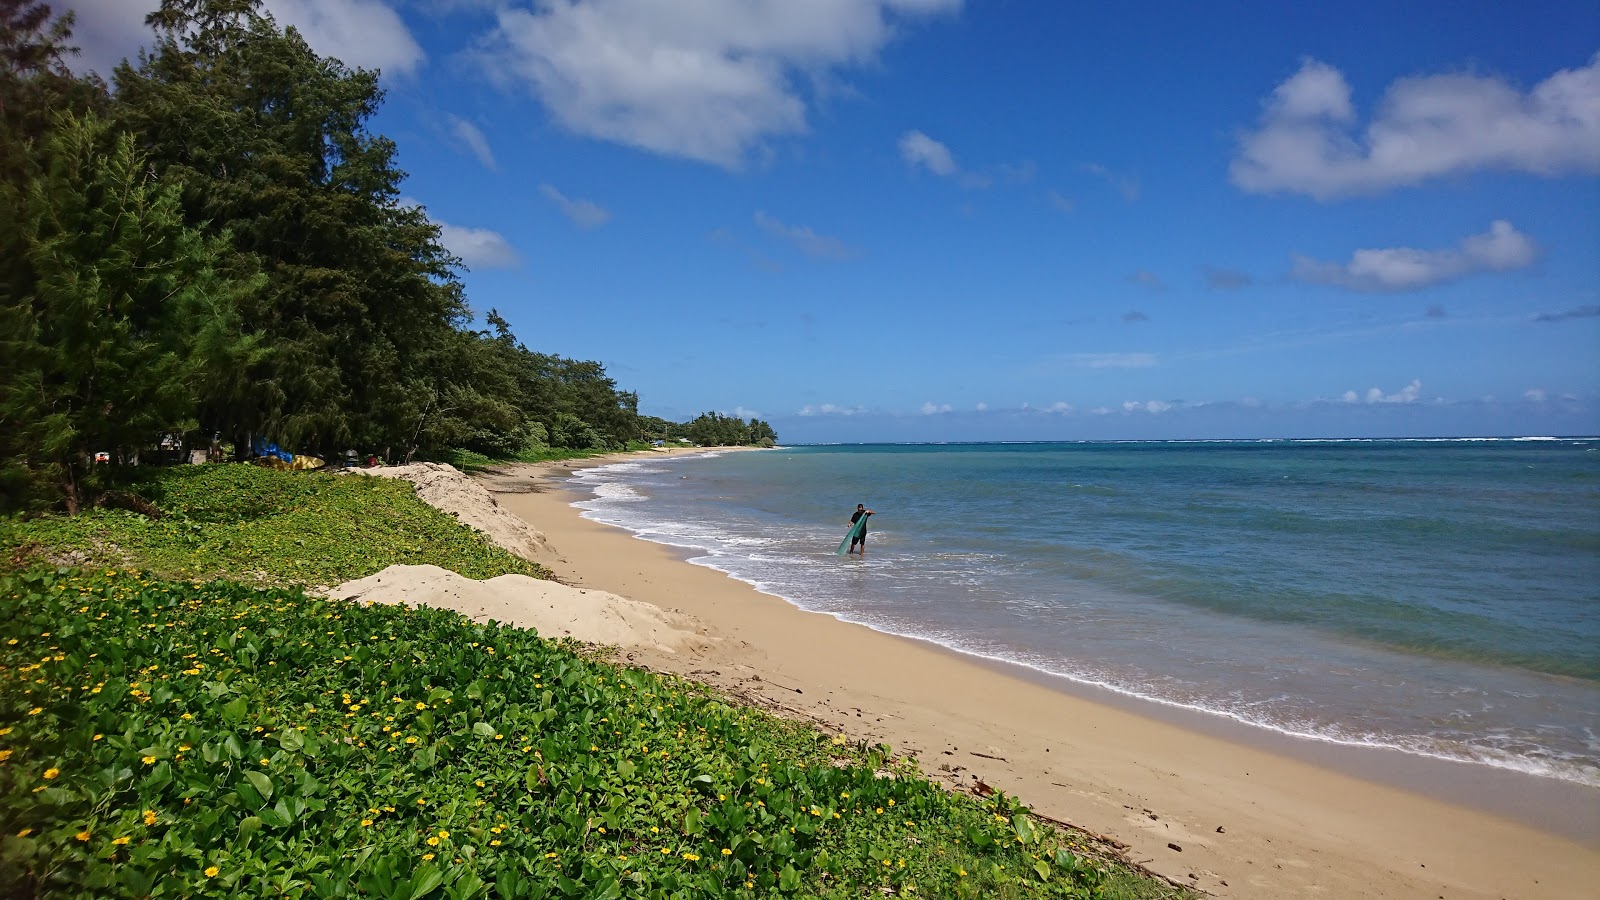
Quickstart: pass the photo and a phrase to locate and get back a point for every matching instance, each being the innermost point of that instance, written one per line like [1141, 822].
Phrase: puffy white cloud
[1060, 406]
[583, 213]
[1061, 202]
[743, 413]
[473, 138]
[932, 409]
[1425, 127]
[917, 149]
[1408, 394]
[829, 409]
[367, 33]
[809, 242]
[479, 248]
[1501, 248]
[702, 79]
[1150, 406]
[1537, 395]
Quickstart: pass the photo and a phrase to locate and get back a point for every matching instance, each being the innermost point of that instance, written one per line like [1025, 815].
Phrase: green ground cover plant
[264, 526]
[169, 738]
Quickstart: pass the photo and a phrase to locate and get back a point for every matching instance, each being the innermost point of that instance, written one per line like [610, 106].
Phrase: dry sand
[551, 609]
[444, 487]
[1250, 823]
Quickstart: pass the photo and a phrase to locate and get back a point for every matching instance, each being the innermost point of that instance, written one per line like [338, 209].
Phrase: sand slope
[445, 488]
[552, 609]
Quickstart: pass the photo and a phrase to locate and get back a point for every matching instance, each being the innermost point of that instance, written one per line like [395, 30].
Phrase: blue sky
[945, 220]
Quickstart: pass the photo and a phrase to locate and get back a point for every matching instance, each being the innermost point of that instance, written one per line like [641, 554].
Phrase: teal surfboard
[854, 532]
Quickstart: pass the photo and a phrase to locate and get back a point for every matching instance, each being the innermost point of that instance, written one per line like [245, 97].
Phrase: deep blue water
[1439, 597]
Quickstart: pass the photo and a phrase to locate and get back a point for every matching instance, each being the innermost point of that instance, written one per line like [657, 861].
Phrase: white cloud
[1060, 406]
[810, 243]
[1111, 360]
[472, 136]
[1063, 203]
[1537, 395]
[1126, 185]
[1153, 407]
[1425, 127]
[828, 409]
[743, 413]
[366, 33]
[479, 248]
[982, 406]
[917, 149]
[1499, 249]
[1408, 394]
[583, 213]
[707, 80]
[932, 409]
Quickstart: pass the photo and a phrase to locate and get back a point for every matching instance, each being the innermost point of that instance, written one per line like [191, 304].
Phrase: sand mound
[446, 488]
[552, 609]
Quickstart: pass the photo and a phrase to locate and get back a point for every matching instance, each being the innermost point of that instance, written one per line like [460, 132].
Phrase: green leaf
[788, 880]
[691, 821]
[625, 768]
[234, 710]
[290, 739]
[261, 783]
[425, 880]
[483, 729]
[249, 826]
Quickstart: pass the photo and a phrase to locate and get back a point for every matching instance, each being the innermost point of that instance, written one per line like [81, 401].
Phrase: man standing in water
[861, 538]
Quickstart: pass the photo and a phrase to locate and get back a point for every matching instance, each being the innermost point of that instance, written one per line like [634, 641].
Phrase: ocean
[1438, 597]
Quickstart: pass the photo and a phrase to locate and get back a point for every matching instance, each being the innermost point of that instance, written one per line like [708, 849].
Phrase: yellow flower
[82, 835]
[726, 852]
[120, 841]
[494, 843]
[690, 857]
[422, 706]
[420, 801]
[36, 710]
[98, 736]
[444, 834]
[148, 760]
[149, 817]
[365, 822]
[184, 748]
[25, 832]
[550, 856]
[427, 856]
[211, 871]
[433, 842]
[412, 739]
[265, 761]
[5, 755]
[5, 731]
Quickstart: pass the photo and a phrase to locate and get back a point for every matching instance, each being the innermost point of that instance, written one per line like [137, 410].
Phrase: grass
[262, 526]
[208, 739]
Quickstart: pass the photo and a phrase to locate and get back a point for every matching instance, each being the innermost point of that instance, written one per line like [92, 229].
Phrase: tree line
[213, 243]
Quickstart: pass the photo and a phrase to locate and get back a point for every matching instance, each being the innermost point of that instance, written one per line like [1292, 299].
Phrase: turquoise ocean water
[1436, 597]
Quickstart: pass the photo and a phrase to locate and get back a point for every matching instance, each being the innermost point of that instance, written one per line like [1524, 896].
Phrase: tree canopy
[218, 247]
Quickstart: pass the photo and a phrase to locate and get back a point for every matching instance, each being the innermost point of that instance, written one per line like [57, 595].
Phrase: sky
[970, 220]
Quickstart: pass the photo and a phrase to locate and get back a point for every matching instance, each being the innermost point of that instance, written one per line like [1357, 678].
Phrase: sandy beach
[1231, 818]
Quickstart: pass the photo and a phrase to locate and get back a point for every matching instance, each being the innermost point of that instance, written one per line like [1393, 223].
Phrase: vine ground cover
[163, 738]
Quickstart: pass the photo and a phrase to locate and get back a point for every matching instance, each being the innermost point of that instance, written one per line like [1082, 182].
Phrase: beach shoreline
[1250, 822]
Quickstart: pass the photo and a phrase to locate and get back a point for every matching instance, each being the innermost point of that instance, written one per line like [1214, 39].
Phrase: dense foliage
[219, 248]
[255, 524]
[173, 739]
